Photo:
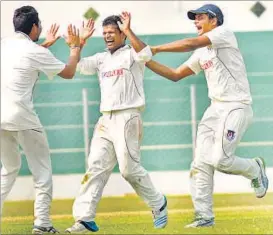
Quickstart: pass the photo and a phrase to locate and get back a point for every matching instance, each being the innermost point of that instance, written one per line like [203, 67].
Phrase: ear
[214, 22]
[34, 28]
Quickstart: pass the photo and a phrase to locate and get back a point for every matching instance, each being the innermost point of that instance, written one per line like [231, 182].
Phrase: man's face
[204, 24]
[113, 37]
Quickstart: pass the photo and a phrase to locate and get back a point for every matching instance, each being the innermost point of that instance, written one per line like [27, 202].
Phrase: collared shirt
[120, 76]
[223, 66]
[21, 62]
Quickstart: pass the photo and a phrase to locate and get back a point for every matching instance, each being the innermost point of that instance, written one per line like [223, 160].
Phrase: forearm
[82, 44]
[136, 43]
[163, 70]
[71, 66]
[184, 45]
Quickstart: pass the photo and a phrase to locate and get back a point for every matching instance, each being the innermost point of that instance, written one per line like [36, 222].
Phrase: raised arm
[184, 45]
[125, 27]
[87, 31]
[73, 41]
[43, 59]
[170, 73]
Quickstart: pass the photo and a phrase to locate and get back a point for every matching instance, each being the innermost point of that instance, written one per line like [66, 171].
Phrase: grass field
[235, 214]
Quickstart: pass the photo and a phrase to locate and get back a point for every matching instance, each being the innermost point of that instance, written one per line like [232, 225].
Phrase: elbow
[176, 77]
[69, 76]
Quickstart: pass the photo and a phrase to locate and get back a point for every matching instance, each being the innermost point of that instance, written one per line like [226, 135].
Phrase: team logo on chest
[206, 65]
[230, 135]
[116, 72]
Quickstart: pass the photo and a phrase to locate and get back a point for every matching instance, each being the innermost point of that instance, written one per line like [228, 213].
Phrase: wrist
[45, 44]
[127, 31]
[75, 50]
[74, 46]
[82, 42]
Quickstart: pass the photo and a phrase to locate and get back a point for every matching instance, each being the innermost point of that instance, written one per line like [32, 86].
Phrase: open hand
[51, 36]
[87, 30]
[126, 21]
[73, 36]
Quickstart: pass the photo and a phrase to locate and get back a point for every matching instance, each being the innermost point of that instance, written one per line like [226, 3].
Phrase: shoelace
[155, 213]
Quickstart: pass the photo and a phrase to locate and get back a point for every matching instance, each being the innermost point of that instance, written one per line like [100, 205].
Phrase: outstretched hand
[126, 21]
[51, 36]
[87, 30]
[73, 36]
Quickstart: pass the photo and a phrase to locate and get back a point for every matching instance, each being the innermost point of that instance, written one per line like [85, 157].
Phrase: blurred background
[172, 110]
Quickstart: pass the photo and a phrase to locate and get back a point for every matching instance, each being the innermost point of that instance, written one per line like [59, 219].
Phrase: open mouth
[199, 28]
[109, 42]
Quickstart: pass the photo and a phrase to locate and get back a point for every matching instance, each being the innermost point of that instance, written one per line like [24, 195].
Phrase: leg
[228, 136]
[202, 171]
[36, 149]
[201, 174]
[101, 162]
[127, 145]
[10, 160]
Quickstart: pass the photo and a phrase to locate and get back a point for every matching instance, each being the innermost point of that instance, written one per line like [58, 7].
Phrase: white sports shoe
[161, 216]
[201, 223]
[41, 230]
[260, 184]
[82, 226]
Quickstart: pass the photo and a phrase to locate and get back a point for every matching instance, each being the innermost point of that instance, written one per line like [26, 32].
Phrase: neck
[115, 49]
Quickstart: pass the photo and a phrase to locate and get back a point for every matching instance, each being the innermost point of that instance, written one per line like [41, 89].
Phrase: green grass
[235, 214]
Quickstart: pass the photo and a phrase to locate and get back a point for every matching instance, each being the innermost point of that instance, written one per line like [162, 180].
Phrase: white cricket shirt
[120, 77]
[223, 66]
[21, 62]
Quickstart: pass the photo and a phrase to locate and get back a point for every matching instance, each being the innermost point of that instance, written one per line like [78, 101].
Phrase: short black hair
[112, 20]
[24, 18]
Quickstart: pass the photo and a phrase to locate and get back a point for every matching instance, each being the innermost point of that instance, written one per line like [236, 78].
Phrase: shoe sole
[260, 161]
[211, 224]
[35, 231]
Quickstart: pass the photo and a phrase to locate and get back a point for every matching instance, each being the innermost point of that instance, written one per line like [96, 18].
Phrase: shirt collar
[22, 35]
[123, 47]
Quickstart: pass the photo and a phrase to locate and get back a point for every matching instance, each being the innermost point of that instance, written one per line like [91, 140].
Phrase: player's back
[18, 77]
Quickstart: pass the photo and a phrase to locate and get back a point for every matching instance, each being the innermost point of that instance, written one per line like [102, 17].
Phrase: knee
[224, 164]
[11, 169]
[128, 175]
[131, 175]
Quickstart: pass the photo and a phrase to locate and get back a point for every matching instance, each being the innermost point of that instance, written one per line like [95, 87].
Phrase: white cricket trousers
[116, 138]
[218, 135]
[35, 146]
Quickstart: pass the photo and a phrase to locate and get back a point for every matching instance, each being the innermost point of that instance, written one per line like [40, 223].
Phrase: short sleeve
[193, 63]
[221, 37]
[88, 65]
[46, 62]
[143, 56]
